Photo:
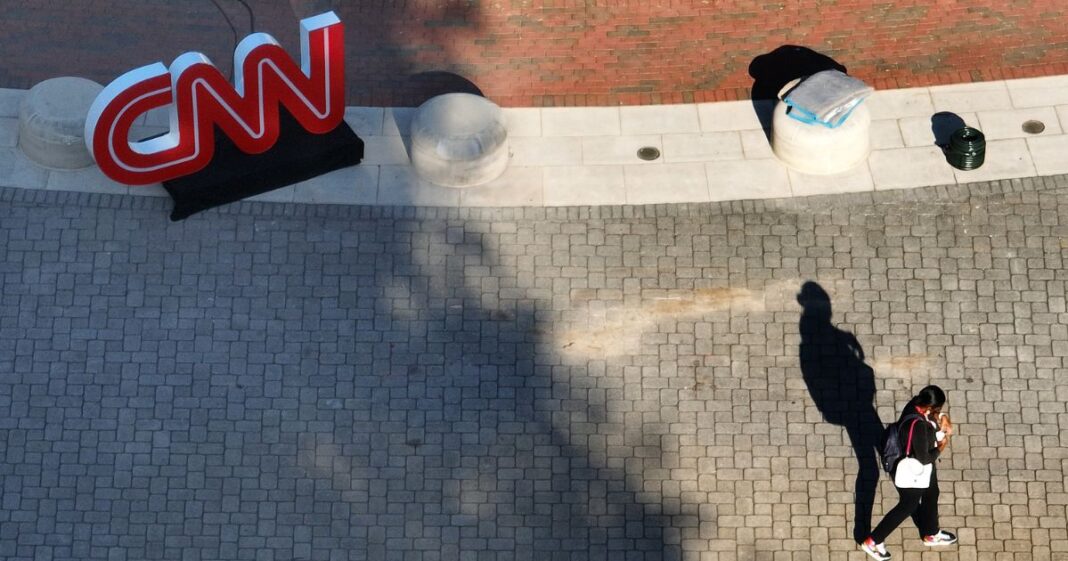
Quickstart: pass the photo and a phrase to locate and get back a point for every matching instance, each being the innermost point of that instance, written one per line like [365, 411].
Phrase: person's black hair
[931, 396]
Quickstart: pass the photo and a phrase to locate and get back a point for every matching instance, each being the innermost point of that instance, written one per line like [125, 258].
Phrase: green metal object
[967, 149]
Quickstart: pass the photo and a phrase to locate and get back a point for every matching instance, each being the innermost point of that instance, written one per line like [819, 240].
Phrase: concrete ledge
[555, 164]
[52, 122]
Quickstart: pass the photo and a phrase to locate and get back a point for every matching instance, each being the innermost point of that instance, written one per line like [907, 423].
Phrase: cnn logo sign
[200, 98]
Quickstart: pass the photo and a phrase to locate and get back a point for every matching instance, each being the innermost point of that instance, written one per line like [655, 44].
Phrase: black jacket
[924, 442]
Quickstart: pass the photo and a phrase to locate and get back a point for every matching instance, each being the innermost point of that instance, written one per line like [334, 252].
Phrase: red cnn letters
[200, 97]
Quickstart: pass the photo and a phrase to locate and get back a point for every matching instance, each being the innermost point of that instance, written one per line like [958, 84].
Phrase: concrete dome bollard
[816, 149]
[459, 140]
[52, 122]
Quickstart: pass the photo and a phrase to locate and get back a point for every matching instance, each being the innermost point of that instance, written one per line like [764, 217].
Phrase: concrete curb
[710, 152]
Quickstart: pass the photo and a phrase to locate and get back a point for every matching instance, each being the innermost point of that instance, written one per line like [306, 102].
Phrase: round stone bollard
[816, 149]
[459, 140]
[52, 122]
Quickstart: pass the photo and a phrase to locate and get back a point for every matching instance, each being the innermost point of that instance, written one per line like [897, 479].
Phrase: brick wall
[563, 52]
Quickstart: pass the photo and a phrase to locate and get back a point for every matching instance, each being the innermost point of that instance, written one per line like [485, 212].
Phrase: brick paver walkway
[288, 382]
[558, 52]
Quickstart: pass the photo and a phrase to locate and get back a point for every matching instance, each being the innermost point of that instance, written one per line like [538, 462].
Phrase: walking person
[924, 432]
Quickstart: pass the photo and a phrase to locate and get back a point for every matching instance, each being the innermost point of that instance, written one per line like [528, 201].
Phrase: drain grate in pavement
[648, 153]
[1033, 127]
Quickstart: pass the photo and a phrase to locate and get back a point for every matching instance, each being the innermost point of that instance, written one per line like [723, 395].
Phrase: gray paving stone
[317, 382]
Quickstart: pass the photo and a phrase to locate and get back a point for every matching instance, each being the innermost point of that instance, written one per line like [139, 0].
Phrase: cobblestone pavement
[286, 382]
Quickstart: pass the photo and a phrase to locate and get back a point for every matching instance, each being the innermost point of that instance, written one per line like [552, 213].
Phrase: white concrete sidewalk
[710, 152]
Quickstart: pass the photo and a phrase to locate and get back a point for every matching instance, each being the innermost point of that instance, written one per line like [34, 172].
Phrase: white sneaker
[941, 538]
[877, 551]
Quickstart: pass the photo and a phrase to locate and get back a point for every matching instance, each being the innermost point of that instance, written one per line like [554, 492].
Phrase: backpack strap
[909, 445]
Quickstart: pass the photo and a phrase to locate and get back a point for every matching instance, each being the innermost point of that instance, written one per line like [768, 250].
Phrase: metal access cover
[648, 153]
[1033, 127]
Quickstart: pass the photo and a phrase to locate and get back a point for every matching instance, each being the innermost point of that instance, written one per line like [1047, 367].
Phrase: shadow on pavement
[464, 342]
[943, 125]
[357, 388]
[367, 387]
[426, 85]
[843, 388]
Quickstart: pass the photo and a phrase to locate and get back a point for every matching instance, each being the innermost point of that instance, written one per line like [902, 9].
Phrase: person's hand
[944, 424]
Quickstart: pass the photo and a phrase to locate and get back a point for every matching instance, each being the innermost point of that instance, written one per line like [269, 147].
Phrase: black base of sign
[233, 175]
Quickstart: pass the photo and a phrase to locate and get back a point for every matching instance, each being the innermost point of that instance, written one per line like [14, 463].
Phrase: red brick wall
[562, 52]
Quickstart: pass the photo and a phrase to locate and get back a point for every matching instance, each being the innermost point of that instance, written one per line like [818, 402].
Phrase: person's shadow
[843, 388]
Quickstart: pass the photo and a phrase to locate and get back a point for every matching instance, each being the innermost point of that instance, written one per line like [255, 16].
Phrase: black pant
[921, 504]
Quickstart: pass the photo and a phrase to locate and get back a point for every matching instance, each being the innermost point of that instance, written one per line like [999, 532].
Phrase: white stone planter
[52, 122]
[816, 149]
[459, 140]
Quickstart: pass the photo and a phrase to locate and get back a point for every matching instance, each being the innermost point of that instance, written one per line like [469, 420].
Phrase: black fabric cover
[233, 175]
